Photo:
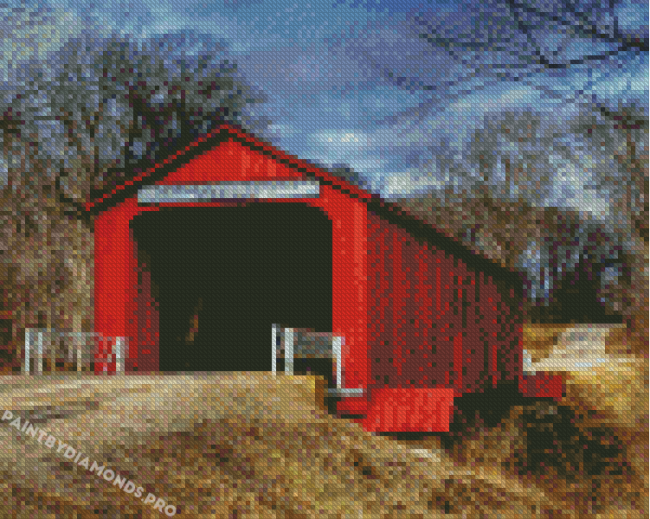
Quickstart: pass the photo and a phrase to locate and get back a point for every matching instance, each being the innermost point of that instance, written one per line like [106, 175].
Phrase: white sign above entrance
[227, 190]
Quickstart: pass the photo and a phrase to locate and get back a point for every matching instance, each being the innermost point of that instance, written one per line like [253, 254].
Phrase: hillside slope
[261, 445]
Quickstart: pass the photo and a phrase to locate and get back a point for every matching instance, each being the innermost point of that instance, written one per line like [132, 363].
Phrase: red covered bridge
[248, 236]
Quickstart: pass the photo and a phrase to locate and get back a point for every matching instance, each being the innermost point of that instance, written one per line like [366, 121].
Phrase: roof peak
[220, 135]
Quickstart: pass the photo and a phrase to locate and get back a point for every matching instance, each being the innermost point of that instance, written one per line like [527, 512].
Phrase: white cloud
[341, 137]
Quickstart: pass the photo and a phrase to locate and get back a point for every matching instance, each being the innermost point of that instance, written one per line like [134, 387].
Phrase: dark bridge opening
[576, 300]
[238, 270]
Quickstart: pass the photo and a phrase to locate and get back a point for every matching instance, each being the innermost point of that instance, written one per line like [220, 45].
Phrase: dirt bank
[260, 445]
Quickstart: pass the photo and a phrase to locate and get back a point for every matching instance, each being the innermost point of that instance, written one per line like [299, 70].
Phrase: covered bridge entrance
[223, 275]
[198, 257]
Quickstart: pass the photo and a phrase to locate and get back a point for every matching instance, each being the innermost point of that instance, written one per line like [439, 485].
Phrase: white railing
[291, 343]
[580, 347]
[80, 351]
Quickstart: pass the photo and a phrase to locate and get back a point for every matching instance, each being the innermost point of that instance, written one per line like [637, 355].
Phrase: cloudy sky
[415, 96]
[379, 85]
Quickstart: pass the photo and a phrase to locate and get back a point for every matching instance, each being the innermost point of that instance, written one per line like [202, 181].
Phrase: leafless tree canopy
[81, 117]
[537, 188]
[97, 104]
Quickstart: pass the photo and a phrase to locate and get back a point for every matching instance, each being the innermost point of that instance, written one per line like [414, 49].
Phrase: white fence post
[274, 353]
[78, 339]
[288, 351]
[81, 346]
[119, 354]
[336, 349]
[39, 352]
[28, 344]
[340, 390]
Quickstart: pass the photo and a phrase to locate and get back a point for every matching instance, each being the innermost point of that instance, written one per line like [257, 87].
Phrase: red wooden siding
[436, 323]
[147, 319]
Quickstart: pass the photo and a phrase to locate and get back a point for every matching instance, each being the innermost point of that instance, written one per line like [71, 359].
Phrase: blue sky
[326, 68]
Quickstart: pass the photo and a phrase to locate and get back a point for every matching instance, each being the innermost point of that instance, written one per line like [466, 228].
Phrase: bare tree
[528, 186]
[80, 118]
[504, 42]
[629, 290]
[98, 104]
[523, 191]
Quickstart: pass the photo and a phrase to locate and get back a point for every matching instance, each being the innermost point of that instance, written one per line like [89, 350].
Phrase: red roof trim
[248, 139]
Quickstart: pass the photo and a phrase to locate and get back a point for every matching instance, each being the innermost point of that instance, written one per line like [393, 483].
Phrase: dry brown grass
[244, 446]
